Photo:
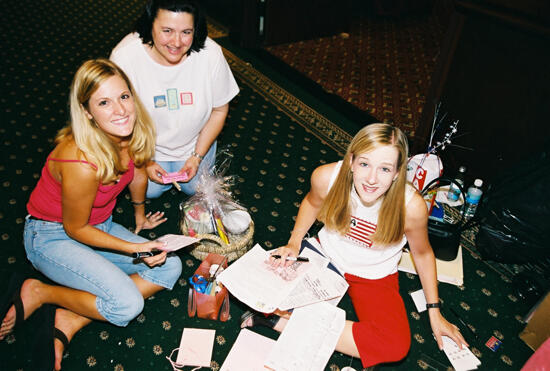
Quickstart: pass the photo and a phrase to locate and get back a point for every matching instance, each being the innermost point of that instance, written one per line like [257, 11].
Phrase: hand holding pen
[285, 256]
[150, 253]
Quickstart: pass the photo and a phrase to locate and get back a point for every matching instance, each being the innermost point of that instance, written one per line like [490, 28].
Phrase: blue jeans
[102, 273]
[155, 190]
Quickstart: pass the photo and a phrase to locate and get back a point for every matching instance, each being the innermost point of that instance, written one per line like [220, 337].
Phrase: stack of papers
[251, 281]
[461, 359]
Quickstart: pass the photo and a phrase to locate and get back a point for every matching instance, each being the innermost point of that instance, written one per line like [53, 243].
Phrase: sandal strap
[19, 309]
[58, 334]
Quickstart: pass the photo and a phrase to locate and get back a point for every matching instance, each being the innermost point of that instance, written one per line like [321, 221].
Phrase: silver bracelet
[195, 154]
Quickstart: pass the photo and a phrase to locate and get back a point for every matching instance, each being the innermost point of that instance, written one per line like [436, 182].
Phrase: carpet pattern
[382, 66]
[276, 140]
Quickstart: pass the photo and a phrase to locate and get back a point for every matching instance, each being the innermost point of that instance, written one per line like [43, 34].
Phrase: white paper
[316, 285]
[251, 281]
[173, 242]
[309, 338]
[419, 300]
[196, 347]
[249, 352]
[461, 359]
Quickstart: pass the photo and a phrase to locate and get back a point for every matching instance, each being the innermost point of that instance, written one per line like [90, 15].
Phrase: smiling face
[172, 35]
[374, 172]
[112, 108]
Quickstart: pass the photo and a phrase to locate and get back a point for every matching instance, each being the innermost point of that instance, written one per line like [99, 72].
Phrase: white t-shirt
[355, 253]
[178, 98]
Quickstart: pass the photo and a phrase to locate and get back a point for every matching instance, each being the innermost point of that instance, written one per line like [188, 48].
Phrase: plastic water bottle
[472, 199]
[454, 191]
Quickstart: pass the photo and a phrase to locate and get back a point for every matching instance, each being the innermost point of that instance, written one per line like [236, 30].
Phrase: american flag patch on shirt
[360, 230]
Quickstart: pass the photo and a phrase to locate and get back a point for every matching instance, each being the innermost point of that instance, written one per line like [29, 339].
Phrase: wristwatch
[195, 154]
[433, 305]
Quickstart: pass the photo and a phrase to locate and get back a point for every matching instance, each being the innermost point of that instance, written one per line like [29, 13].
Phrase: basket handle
[211, 237]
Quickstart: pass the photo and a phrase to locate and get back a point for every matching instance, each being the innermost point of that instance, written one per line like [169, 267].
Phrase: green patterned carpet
[277, 140]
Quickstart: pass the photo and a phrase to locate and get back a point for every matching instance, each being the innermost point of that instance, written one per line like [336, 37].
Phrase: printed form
[309, 338]
[251, 280]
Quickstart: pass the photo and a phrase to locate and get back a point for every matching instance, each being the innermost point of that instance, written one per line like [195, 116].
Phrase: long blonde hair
[95, 146]
[336, 209]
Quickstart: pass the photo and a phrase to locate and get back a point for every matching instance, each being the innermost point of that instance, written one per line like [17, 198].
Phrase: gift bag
[207, 298]
[423, 168]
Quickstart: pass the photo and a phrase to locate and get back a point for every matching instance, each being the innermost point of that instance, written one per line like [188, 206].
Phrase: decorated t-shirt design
[171, 99]
[360, 230]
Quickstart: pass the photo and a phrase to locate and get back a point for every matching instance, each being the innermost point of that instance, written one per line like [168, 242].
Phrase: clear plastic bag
[214, 216]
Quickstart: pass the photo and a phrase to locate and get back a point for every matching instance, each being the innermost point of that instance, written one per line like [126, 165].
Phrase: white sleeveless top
[355, 253]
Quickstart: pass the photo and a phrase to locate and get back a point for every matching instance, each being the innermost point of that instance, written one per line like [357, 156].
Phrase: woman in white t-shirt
[369, 212]
[185, 84]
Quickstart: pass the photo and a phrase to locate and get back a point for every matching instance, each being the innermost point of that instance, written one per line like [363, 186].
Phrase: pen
[292, 258]
[145, 254]
[463, 323]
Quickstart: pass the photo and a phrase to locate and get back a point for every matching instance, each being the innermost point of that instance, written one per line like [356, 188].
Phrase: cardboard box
[538, 327]
[447, 271]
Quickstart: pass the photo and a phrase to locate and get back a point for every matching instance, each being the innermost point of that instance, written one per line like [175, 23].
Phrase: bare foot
[69, 323]
[31, 298]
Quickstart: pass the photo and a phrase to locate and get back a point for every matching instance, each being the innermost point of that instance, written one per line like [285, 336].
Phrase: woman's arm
[308, 211]
[207, 136]
[137, 188]
[416, 230]
[79, 187]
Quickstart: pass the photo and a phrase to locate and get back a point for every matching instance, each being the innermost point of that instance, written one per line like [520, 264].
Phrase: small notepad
[461, 359]
[196, 347]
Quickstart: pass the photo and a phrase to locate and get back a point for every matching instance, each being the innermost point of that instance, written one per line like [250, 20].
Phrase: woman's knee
[121, 310]
[173, 269]
[401, 344]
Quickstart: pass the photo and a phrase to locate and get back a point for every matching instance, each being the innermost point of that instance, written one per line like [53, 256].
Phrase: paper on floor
[249, 352]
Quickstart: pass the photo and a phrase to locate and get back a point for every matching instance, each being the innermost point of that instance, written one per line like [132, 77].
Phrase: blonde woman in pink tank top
[69, 233]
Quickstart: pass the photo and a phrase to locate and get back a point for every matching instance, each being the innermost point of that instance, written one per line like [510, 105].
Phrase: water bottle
[454, 191]
[472, 199]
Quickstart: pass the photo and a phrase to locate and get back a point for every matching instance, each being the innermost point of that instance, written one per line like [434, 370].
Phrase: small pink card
[174, 177]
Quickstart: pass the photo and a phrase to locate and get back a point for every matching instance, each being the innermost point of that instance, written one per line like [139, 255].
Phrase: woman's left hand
[440, 327]
[149, 221]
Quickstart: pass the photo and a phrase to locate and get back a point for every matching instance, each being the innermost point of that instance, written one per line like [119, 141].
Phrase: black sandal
[12, 296]
[259, 319]
[60, 335]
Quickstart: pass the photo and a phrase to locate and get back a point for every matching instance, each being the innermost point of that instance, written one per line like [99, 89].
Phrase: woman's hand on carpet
[149, 221]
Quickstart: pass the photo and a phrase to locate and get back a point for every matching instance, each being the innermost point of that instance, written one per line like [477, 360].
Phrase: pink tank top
[45, 200]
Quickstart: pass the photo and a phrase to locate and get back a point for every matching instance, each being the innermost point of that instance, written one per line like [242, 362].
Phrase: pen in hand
[291, 258]
[146, 254]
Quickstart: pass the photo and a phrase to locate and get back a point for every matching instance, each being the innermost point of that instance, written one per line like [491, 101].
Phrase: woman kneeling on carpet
[70, 236]
[369, 213]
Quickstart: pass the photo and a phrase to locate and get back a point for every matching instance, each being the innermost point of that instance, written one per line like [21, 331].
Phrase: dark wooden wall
[494, 76]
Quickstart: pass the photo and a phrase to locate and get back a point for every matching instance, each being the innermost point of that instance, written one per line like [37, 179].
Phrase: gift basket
[211, 215]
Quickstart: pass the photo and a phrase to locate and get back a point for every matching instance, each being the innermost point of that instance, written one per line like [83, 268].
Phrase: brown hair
[336, 209]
